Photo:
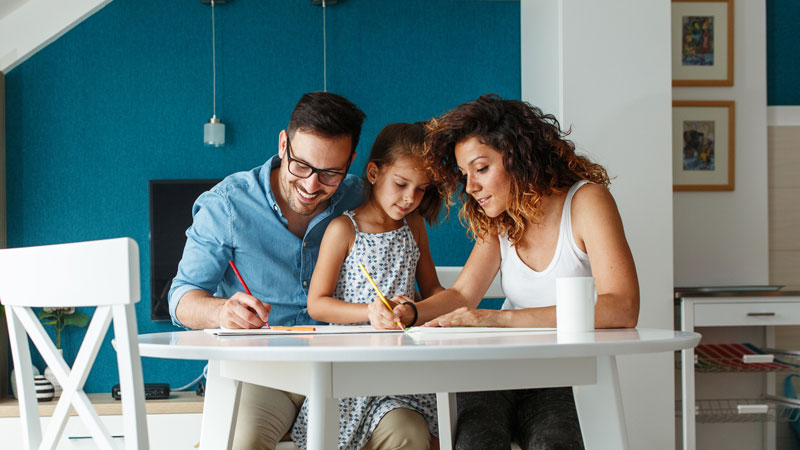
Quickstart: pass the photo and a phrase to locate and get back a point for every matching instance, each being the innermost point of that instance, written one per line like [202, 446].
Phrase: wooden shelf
[177, 403]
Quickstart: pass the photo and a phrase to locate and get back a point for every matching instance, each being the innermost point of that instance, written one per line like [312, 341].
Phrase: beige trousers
[266, 415]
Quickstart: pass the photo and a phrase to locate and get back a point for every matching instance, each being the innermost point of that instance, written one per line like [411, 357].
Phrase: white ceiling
[6, 6]
[27, 26]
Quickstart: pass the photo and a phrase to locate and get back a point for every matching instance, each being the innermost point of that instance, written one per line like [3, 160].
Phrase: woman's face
[486, 179]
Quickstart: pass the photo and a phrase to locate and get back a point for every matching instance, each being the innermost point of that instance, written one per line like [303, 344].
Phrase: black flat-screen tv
[170, 215]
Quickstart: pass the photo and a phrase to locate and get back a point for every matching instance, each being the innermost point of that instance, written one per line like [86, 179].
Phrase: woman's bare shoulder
[592, 198]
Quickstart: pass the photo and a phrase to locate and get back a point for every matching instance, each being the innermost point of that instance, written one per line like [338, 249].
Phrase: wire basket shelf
[768, 409]
[720, 358]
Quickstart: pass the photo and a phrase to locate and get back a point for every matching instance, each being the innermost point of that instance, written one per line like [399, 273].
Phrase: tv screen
[170, 215]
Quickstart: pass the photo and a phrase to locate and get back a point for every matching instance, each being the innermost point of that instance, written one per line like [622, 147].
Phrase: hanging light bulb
[214, 129]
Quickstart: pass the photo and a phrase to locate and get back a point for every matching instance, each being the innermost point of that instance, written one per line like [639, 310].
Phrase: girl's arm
[427, 280]
[597, 228]
[333, 250]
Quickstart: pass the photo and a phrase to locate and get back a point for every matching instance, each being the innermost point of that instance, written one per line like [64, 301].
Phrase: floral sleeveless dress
[391, 259]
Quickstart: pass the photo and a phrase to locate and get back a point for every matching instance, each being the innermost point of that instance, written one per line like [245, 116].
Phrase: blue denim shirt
[239, 219]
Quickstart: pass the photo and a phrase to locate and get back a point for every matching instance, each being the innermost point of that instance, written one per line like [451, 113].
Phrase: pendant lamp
[214, 129]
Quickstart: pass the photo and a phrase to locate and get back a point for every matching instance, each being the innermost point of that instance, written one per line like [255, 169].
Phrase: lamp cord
[324, 52]
[213, 61]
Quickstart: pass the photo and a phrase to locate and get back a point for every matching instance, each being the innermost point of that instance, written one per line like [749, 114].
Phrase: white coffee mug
[575, 299]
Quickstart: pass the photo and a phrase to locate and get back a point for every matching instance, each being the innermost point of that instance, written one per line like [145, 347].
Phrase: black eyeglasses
[301, 169]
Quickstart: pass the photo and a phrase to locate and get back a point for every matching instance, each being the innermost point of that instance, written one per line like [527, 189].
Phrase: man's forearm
[199, 310]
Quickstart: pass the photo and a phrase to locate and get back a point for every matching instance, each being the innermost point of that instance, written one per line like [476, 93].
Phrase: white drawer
[754, 314]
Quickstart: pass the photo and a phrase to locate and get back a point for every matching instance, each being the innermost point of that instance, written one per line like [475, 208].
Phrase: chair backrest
[448, 275]
[104, 274]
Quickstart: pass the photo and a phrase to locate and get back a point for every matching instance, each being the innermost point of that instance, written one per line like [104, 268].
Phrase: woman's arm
[597, 227]
[333, 250]
[467, 291]
[470, 286]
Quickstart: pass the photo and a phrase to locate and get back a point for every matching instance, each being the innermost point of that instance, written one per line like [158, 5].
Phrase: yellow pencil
[380, 295]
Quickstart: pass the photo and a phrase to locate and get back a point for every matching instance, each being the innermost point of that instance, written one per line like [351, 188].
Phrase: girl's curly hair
[536, 155]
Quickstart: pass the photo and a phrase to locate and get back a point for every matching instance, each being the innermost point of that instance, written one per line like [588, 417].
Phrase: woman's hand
[467, 317]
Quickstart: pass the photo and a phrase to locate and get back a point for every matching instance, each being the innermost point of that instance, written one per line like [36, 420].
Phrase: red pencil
[246, 289]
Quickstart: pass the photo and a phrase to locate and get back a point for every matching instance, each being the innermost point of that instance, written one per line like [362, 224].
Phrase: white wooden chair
[104, 274]
[448, 274]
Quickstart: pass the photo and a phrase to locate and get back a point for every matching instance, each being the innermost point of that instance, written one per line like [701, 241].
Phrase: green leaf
[50, 322]
[77, 320]
[46, 316]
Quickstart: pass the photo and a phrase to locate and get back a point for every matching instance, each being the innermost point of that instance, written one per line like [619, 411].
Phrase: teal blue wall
[122, 98]
[783, 52]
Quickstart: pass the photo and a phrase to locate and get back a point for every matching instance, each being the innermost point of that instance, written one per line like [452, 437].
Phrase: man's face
[306, 196]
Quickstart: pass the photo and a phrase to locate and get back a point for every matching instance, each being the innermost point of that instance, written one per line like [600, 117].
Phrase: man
[270, 221]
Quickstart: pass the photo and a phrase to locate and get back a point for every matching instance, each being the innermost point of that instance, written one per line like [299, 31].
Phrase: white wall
[3, 241]
[613, 87]
[721, 238]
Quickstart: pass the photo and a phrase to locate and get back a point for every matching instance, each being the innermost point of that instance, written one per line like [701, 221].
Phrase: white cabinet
[730, 309]
[172, 424]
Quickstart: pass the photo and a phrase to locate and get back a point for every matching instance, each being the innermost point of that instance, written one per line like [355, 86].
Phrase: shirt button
[304, 244]
[274, 207]
[305, 283]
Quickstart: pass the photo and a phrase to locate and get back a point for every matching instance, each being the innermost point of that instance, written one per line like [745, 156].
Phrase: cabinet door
[746, 314]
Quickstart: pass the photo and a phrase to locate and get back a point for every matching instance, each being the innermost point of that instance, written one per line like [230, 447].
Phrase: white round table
[328, 367]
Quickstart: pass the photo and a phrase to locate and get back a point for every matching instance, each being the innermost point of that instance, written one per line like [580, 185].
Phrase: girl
[538, 211]
[387, 234]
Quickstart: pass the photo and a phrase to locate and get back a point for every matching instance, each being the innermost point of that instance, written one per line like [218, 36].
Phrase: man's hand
[243, 311]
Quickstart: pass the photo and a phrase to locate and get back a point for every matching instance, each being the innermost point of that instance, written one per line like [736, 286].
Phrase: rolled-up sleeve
[207, 250]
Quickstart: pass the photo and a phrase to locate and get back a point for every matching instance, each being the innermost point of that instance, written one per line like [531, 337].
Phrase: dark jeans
[537, 419]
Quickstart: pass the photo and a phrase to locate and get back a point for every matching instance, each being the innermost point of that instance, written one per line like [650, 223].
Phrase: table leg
[323, 409]
[219, 409]
[448, 413]
[600, 409]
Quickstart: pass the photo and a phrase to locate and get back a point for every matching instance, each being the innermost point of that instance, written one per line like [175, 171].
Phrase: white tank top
[527, 288]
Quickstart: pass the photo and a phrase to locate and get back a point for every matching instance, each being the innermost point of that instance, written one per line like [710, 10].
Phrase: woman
[538, 211]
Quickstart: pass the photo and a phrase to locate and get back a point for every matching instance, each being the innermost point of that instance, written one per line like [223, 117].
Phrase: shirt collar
[275, 162]
[266, 169]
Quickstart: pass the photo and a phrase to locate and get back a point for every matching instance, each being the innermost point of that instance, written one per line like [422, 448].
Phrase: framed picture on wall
[703, 142]
[702, 42]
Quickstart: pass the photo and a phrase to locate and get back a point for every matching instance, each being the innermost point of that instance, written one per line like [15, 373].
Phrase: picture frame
[702, 42]
[703, 145]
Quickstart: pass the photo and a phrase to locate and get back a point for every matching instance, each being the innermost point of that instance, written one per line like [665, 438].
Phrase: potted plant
[60, 318]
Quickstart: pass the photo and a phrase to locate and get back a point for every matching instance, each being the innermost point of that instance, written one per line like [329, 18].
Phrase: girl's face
[397, 188]
[486, 178]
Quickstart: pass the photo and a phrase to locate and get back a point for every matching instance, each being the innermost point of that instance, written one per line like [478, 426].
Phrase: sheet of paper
[459, 330]
[300, 330]
[420, 333]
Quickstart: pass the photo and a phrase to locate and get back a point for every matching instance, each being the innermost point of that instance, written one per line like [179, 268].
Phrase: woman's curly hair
[536, 155]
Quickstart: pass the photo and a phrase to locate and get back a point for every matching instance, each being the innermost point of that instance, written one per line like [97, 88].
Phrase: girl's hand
[466, 317]
[380, 317]
[404, 312]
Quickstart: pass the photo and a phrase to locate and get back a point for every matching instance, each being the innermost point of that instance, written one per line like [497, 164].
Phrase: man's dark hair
[327, 114]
